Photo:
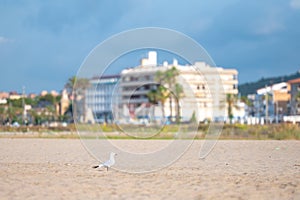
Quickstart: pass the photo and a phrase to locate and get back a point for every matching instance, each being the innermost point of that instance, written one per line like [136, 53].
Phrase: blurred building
[3, 97]
[14, 95]
[270, 103]
[99, 98]
[295, 96]
[54, 93]
[205, 89]
[63, 104]
[43, 93]
[32, 95]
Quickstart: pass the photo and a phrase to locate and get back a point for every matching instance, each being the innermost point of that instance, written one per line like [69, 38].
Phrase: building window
[141, 88]
[202, 87]
[132, 78]
[126, 78]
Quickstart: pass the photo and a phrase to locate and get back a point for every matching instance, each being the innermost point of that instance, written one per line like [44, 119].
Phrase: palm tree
[231, 100]
[170, 78]
[246, 101]
[10, 112]
[160, 94]
[250, 106]
[77, 88]
[178, 92]
[267, 99]
[159, 77]
[152, 96]
[69, 86]
[3, 115]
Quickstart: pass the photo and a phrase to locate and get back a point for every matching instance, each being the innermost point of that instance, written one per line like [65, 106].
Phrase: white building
[99, 98]
[205, 89]
[269, 103]
[294, 86]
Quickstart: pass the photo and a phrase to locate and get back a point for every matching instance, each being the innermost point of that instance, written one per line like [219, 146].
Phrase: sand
[62, 169]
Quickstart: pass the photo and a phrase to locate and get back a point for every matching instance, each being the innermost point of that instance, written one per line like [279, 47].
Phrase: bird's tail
[98, 166]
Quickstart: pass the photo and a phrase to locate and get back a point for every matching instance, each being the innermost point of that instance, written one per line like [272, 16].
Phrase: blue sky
[43, 43]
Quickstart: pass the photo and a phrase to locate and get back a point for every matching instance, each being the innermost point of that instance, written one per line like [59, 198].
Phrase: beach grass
[184, 131]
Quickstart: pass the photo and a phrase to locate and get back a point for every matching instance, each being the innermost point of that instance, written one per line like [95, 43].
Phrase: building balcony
[135, 83]
[135, 92]
[132, 100]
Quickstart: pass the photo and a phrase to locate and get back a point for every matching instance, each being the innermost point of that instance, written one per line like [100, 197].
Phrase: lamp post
[276, 103]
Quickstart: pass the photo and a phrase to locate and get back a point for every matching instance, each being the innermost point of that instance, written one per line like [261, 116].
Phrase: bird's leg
[107, 169]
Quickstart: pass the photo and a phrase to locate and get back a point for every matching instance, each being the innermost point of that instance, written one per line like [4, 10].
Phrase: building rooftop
[297, 80]
[276, 87]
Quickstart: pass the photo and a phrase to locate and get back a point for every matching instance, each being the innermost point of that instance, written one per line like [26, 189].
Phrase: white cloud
[5, 40]
[295, 4]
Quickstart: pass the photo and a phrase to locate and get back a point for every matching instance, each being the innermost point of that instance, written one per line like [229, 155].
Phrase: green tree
[3, 114]
[160, 94]
[170, 79]
[152, 96]
[231, 100]
[159, 77]
[14, 113]
[77, 88]
[178, 92]
[246, 101]
[193, 118]
[69, 86]
[32, 102]
[15, 103]
[49, 98]
[35, 117]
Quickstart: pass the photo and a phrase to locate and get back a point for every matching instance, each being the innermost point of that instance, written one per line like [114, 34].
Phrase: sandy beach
[62, 169]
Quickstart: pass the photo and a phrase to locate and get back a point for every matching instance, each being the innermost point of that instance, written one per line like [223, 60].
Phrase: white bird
[108, 163]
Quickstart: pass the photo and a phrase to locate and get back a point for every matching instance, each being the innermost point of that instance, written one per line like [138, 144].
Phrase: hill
[250, 88]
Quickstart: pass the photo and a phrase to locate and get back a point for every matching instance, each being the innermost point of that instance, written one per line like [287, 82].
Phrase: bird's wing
[109, 163]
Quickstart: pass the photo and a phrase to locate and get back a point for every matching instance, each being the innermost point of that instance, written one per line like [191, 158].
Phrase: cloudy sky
[43, 43]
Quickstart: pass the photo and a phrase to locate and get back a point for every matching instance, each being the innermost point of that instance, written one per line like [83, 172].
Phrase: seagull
[108, 163]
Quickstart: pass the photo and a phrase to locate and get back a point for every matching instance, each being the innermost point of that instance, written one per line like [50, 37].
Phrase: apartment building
[295, 96]
[271, 102]
[99, 98]
[205, 89]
